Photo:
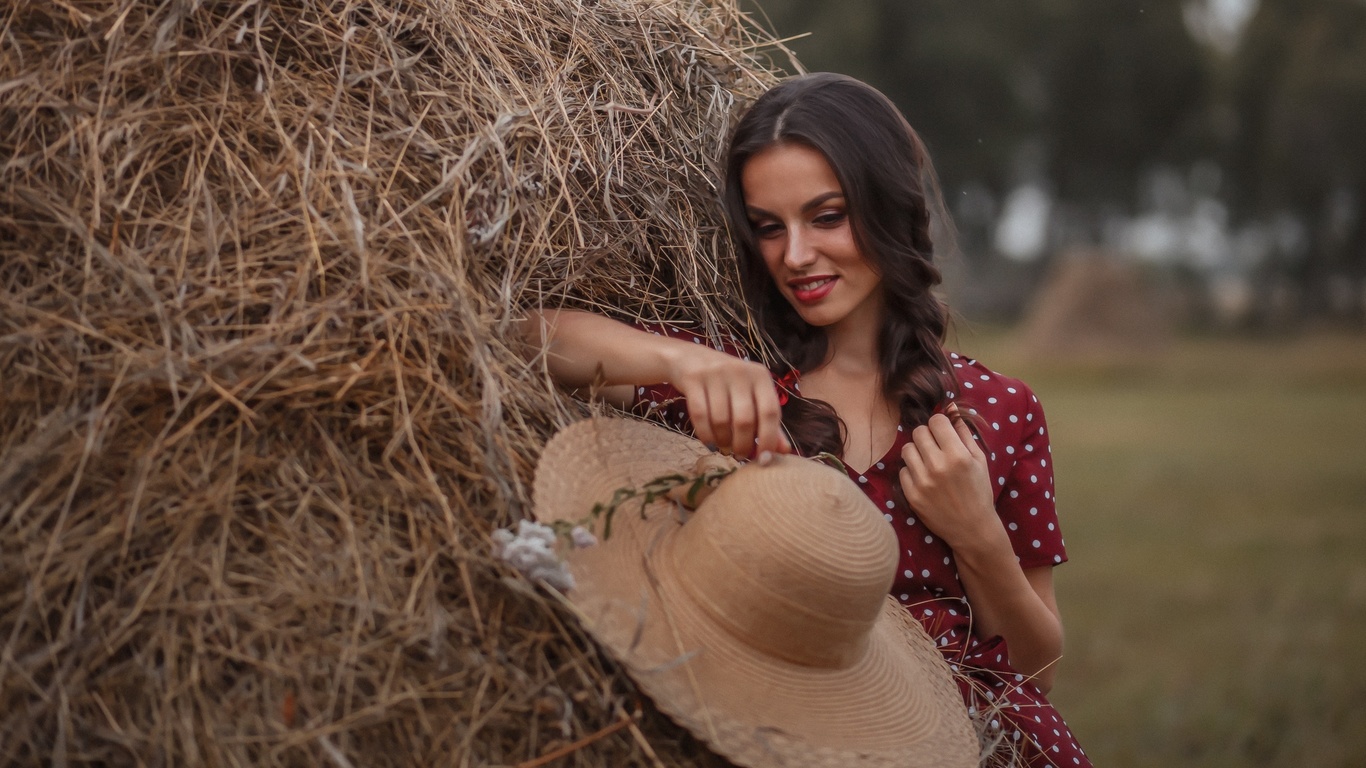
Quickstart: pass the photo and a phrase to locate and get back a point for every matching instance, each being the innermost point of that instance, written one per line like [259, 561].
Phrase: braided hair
[888, 182]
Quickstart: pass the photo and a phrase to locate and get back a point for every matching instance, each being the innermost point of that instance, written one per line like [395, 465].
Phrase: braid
[915, 370]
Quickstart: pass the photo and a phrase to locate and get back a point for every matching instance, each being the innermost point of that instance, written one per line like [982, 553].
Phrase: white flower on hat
[532, 552]
[582, 537]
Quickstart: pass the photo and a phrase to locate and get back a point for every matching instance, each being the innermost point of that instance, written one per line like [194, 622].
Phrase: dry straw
[261, 403]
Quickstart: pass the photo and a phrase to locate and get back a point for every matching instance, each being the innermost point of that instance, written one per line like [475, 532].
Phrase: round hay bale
[262, 402]
[1095, 307]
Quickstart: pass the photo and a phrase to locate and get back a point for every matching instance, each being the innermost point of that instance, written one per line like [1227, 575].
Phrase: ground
[1214, 503]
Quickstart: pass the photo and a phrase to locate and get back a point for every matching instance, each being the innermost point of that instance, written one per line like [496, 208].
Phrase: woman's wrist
[985, 546]
[667, 357]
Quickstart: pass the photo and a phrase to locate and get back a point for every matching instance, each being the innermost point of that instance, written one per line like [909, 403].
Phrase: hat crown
[792, 559]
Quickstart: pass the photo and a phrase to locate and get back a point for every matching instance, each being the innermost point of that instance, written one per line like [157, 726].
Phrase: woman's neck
[850, 382]
[852, 345]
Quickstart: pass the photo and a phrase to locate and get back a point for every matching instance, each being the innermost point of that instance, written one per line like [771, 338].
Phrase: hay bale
[261, 402]
[1095, 307]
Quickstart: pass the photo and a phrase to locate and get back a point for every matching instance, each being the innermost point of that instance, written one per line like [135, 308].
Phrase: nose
[799, 252]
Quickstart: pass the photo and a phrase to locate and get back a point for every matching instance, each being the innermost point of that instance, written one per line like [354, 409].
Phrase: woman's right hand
[732, 403]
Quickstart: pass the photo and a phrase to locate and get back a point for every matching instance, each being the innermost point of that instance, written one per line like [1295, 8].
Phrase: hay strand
[262, 401]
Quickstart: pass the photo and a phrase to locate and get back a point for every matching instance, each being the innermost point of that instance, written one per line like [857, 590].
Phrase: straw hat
[762, 624]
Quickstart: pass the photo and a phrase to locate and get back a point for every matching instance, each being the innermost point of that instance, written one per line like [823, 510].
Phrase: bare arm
[732, 403]
[583, 349]
[946, 480]
[1018, 604]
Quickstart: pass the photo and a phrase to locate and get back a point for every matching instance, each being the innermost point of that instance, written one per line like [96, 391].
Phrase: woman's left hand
[946, 481]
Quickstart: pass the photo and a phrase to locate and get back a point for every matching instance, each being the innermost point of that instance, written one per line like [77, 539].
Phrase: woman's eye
[764, 231]
[829, 218]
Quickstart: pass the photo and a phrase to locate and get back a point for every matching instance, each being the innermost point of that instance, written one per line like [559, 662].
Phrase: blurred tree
[1093, 98]
[1296, 112]
[953, 75]
[950, 73]
[1126, 85]
[1082, 95]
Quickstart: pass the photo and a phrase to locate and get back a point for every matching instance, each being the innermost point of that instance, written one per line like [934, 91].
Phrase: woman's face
[800, 218]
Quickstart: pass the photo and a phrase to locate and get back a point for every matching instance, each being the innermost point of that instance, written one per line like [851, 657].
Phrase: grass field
[1214, 503]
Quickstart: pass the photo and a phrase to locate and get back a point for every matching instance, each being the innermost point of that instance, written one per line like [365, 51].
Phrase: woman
[829, 194]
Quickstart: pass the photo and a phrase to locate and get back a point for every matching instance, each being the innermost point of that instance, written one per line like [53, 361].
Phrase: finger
[695, 401]
[916, 482]
[719, 411]
[909, 487]
[742, 422]
[946, 435]
[700, 417]
[914, 463]
[769, 422]
[924, 443]
[960, 424]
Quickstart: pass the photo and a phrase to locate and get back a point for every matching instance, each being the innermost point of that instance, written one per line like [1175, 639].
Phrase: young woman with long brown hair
[830, 195]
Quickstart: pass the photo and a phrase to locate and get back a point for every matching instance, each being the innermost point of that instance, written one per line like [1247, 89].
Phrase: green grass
[1214, 503]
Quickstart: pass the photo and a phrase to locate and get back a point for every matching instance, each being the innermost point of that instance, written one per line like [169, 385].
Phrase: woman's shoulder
[1006, 406]
[1011, 426]
[981, 385]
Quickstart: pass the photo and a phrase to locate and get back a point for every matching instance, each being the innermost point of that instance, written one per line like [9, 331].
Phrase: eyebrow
[814, 202]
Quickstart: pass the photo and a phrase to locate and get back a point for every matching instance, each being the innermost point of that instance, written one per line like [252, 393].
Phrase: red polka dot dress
[1010, 711]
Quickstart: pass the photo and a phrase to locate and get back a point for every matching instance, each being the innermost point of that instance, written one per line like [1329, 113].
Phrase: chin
[817, 319]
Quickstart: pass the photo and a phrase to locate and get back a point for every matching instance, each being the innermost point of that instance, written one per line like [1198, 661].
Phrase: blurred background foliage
[1161, 209]
[1216, 144]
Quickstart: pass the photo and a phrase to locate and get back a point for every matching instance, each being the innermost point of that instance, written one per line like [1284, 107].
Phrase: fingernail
[765, 458]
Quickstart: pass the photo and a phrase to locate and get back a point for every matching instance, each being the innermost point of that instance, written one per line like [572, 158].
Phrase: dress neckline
[888, 457]
[790, 383]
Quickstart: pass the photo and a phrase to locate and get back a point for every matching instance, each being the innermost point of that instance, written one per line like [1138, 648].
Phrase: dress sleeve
[1027, 504]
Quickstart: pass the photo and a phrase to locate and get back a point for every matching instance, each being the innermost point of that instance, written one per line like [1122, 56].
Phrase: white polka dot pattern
[1011, 428]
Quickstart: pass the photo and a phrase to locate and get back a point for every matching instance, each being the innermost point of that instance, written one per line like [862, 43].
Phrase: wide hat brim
[896, 706]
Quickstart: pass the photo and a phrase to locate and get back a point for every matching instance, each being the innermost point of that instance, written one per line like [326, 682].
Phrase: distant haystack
[260, 400]
[1096, 307]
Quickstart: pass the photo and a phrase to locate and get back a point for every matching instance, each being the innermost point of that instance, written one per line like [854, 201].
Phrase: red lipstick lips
[809, 290]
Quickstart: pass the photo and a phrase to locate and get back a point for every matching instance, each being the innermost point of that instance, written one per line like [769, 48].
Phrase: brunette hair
[890, 190]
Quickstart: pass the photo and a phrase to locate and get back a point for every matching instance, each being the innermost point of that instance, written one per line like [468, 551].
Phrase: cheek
[772, 254]
[858, 262]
